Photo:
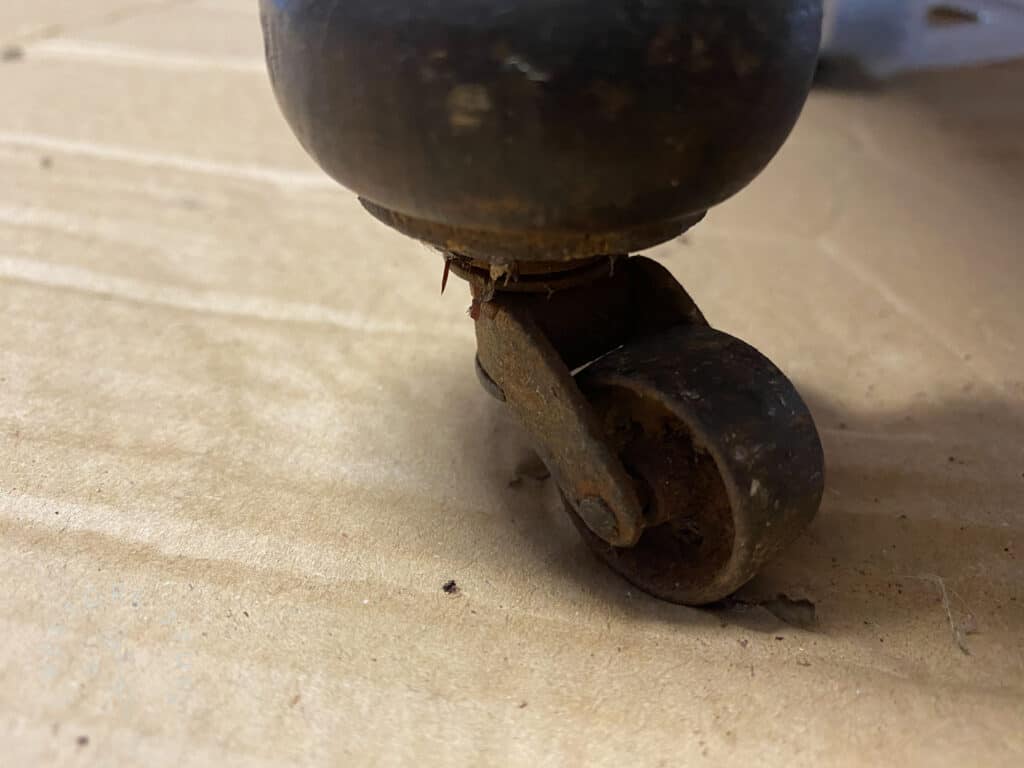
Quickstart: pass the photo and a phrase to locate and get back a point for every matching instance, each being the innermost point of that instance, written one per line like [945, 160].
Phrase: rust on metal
[536, 383]
[726, 452]
[524, 245]
[685, 457]
[530, 341]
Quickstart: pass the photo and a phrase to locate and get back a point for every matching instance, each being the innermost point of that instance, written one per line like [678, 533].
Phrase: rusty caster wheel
[538, 143]
[685, 457]
[724, 453]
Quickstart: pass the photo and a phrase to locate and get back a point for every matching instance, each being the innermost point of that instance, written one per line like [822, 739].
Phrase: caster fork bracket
[530, 344]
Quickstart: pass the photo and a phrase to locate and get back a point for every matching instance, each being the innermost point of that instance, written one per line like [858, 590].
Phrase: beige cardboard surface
[242, 446]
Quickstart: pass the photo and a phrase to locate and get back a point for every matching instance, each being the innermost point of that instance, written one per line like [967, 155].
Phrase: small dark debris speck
[12, 53]
[82, 741]
[46, 162]
[450, 587]
[744, 642]
[522, 705]
[779, 637]
[246, 614]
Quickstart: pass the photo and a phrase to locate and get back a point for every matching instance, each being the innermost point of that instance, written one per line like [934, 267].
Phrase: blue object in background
[890, 36]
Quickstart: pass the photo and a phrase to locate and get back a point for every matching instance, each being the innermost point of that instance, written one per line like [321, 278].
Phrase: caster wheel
[724, 453]
[687, 458]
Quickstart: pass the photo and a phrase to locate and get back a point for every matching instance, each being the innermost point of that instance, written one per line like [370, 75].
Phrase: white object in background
[889, 36]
